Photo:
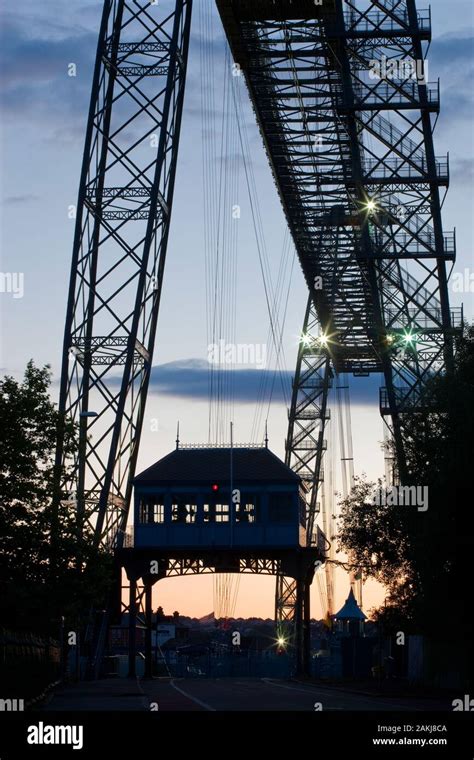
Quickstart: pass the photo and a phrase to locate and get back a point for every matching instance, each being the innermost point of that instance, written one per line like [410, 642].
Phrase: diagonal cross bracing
[122, 225]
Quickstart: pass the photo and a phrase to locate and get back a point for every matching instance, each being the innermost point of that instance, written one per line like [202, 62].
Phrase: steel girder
[351, 151]
[121, 235]
[195, 563]
[331, 148]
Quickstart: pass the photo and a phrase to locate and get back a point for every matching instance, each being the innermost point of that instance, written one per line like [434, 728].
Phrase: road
[224, 694]
[270, 694]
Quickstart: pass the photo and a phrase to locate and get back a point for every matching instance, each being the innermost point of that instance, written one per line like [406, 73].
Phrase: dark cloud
[36, 88]
[34, 58]
[34, 74]
[189, 379]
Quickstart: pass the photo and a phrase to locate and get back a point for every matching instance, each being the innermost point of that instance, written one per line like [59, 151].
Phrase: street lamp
[83, 417]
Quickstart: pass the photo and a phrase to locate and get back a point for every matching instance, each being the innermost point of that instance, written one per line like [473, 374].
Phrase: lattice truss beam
[347, 112]
[257, 566]
[338, 137]
[306, 444]
[122, 227]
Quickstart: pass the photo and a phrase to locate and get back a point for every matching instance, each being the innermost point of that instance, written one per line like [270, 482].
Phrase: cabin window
[152, 510]
[281, 508]
[222, 513]
[218, 513]
[248, 511]
[184, 509]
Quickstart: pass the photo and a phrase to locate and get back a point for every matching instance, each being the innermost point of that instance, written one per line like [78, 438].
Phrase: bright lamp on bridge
[409, 338]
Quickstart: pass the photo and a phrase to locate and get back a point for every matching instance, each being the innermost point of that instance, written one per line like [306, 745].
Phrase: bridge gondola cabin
[219, 497]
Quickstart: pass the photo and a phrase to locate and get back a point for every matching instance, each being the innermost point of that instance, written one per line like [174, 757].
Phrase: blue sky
[43, 117]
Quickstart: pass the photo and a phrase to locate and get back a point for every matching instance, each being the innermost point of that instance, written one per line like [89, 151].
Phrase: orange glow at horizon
[193, 596]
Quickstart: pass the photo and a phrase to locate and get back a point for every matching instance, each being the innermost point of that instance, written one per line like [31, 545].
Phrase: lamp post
[80, 515]
[81, 503]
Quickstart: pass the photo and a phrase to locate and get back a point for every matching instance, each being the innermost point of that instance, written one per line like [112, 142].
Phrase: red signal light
[215, 487]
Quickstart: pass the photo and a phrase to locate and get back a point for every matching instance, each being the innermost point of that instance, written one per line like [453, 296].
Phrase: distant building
[119, 636]
[350, 618]
[164, 632]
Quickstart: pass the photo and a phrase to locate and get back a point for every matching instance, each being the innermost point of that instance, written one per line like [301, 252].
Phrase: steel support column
[132, 629]
[305, 443]
[149, 627]
[299, 620]
[307, 629]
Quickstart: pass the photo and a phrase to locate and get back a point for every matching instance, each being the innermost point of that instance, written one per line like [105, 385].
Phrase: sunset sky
[42, 131]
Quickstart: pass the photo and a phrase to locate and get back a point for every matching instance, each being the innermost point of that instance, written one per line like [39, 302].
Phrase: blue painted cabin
[190, 499]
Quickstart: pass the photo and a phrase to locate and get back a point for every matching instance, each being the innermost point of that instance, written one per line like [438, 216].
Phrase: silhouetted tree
[424, 558]
[33, 594]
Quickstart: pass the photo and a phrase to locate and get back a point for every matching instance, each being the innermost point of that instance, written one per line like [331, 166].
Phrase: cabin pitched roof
[204, 465]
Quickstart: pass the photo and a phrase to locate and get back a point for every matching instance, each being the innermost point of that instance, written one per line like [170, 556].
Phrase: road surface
[226, 694]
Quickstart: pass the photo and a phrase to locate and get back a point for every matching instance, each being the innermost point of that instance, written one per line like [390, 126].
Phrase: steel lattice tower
[121, 235]
[347, 117]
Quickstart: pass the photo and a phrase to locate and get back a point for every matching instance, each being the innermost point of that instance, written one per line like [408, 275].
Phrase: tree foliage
[424, 557]
[34, 593]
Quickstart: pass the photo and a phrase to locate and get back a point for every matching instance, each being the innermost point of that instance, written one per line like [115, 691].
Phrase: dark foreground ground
[227, 694]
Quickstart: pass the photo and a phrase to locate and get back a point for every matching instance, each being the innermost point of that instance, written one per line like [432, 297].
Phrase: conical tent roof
[350, 610]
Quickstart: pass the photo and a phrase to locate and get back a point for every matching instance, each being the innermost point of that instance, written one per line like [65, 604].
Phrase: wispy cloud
[13, 200]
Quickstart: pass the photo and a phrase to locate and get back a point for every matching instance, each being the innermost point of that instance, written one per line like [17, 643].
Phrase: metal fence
[28, 663]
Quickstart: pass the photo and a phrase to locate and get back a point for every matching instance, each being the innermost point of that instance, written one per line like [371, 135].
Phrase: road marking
[145, 700]
[269, 682]
[365, 697]
[194, 699]
[284, 686]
